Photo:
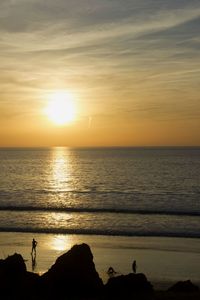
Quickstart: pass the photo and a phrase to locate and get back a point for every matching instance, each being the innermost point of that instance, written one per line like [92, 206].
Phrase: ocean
[151, 192]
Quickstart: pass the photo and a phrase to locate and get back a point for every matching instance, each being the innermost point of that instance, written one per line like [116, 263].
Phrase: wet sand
[163, 260]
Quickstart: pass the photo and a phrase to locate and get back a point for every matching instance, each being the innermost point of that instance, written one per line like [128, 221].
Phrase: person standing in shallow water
[134, 266]
[34, 245]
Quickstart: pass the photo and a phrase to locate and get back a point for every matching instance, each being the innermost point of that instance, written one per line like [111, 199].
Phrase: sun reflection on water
[60, 174]
[59, 184]
[61, 242]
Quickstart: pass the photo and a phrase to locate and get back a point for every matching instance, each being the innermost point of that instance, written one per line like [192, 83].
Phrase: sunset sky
[130, 68]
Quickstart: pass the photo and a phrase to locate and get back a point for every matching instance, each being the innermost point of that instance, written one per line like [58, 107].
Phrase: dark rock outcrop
[12, 269]
[184, 287]
[128, 285]
[73, 273]
[15, 281]
[14, 264]
[73, 276]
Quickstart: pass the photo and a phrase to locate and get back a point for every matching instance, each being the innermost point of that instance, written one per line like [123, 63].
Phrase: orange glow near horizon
[99, 75]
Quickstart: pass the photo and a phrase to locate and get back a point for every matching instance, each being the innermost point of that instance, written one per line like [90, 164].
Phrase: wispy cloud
[132, 57]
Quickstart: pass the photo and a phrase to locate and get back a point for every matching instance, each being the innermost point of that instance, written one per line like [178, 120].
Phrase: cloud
[119, 53]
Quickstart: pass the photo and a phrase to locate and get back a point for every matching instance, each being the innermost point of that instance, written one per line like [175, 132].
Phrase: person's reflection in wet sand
[34, 263]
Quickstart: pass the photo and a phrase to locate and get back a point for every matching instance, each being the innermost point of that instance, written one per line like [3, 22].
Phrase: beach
[127, 204]
[163, 260]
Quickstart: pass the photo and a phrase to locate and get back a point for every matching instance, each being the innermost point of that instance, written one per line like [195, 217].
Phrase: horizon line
[99, 147]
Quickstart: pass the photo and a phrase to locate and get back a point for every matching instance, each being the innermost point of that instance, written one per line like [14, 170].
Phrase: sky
[131, 68]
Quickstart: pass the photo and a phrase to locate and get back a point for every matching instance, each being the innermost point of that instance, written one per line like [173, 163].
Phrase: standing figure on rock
[111, 272]
[134, 266]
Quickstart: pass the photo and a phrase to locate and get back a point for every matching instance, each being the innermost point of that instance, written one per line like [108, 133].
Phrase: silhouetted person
[134, 266]
[111, 272]
[34, 245]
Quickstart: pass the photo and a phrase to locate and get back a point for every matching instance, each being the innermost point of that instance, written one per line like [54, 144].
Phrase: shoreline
[164, 260]
[92, 232]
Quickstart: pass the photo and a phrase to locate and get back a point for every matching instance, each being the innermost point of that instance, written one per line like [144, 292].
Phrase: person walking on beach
[34, 245]
[134, 266]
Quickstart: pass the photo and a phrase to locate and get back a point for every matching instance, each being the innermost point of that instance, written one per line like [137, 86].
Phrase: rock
[15, 264]
[128, 285]
[184, 287]
[11, 270]
[73, 273]
[15, 281]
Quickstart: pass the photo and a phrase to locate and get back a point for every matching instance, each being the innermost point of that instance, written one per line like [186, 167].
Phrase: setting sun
[61, 109]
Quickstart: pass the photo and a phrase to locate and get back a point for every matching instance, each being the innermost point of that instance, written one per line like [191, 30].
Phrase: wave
[94, 190]
[100, 232]
[99, 210]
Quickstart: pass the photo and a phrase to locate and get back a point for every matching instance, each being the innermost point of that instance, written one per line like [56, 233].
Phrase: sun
[61, 108]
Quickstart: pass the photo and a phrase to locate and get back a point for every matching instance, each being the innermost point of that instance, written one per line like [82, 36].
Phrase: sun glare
[60, 109]
[59, 243]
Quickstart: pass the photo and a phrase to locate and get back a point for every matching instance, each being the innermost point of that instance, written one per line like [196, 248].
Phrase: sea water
[102, 191]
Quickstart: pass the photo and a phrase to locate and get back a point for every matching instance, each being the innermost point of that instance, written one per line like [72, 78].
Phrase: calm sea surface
[126, 191]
